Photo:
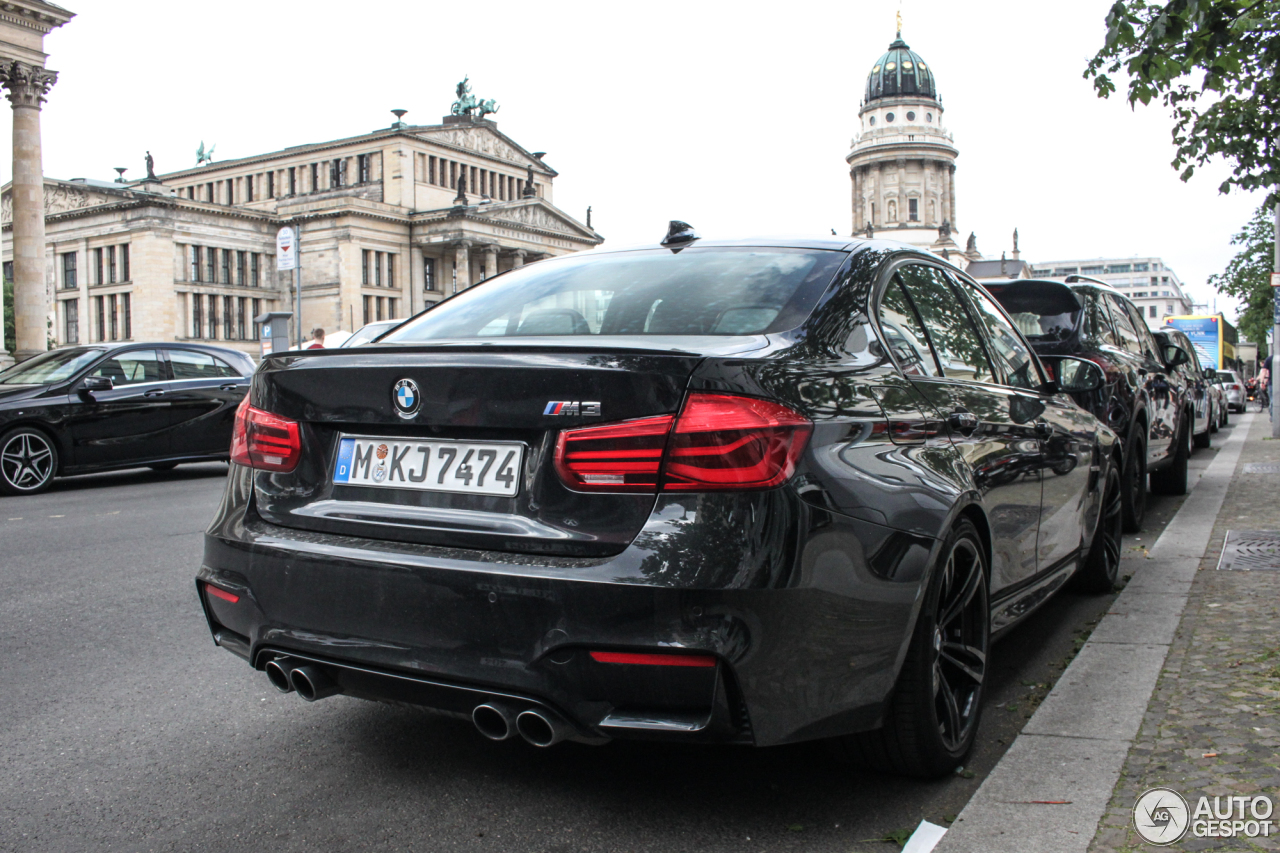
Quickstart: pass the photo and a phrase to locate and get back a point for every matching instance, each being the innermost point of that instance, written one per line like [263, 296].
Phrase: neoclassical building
[902, 162]
[389, 221]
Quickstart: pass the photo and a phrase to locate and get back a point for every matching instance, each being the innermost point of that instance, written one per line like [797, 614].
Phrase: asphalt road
[122, 727]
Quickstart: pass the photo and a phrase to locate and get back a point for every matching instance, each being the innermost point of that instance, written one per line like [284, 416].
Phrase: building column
[877, 197]
[518, 256]
[901, 163]
[417, 280]
[951, 192]
[26, 87]
[490, 260]
[855, 176]
[461, 265]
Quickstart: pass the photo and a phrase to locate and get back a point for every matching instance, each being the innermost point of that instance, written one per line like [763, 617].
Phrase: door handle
[1044, 430]
[963, 422]
[154, 392]
[230, 386]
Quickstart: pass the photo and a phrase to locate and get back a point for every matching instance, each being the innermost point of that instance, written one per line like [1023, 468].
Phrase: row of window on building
[278, 183]
[109, 265]
[223, 318]
[380, 308]
[377, 269]
[483, 182]
[1099, 269]
[224, 266]
[111, 317]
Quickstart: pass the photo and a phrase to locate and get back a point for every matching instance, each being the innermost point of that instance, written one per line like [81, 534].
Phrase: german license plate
[467, 467]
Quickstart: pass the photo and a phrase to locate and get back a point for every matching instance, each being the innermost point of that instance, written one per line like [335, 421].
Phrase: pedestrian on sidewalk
[317, 338]
[1264, 386]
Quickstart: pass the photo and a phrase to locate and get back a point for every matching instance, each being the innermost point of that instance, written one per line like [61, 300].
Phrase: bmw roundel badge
[405, 396]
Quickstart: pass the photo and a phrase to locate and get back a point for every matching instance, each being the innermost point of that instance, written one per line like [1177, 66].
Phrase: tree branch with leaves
[1248, 277]
[1215, 64]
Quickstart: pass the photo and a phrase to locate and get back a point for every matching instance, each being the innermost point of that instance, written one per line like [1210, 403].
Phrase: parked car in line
[104, 406]
[368, 332]
[1193, 379]
[1233, 387]
[752, 492]
[1218, 397]
[1144, 398]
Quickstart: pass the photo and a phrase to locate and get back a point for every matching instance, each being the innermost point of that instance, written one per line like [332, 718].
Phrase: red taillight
[622, 457]
[265, 441]
[719, 442]
[724, 442]
[217, 592]
[653, 659]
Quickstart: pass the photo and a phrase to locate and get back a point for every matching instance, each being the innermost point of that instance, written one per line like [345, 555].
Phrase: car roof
[120, 346]
[830, 243]
[1054, 295]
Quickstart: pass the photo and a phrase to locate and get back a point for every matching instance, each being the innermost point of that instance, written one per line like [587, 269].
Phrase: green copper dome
[900, 72]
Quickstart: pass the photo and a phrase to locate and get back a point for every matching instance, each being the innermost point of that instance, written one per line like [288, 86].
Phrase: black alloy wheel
[1133, 481]
[1172, 479]
[1101, 565]
[28, 462]
[933, 714]
[1201, 439]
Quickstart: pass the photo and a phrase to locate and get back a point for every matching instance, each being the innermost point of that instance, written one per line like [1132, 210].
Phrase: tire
[1226, 417]
[28, 461]
[163, 466]
[1102, 563]
[1201, 440]
[933, 713]
[1133, 480]
[1172, 479]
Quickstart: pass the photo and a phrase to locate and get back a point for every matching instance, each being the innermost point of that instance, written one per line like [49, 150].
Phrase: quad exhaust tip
[278, 674]
[494, 720]
[541, 728]
[312, 684]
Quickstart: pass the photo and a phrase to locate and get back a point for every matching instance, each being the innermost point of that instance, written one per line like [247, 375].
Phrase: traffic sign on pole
[286, 249]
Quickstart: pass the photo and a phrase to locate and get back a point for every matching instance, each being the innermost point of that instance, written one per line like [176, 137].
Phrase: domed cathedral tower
[902, 163]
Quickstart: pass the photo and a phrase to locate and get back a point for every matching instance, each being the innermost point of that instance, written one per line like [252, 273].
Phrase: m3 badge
[572, 408]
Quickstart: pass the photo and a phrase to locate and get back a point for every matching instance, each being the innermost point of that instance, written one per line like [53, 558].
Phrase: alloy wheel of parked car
[1134, 482]
[933, 716]
[28, 461]
[1102, 563]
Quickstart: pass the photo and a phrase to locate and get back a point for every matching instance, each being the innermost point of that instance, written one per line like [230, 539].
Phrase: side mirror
[96, 383]
[1078, 375]
[1210, 374]
[1174, 356]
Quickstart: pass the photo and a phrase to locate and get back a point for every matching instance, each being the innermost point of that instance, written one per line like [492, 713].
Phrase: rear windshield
[1226, 376]
[711, 291]
[1041, 311]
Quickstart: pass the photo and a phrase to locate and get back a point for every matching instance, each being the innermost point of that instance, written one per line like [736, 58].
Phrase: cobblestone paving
[1213, 725]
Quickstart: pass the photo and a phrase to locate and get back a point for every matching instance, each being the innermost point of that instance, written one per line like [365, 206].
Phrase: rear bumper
[807, 636]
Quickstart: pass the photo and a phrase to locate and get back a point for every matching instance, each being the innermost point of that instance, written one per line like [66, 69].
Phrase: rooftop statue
[203, 156]
[469, 105]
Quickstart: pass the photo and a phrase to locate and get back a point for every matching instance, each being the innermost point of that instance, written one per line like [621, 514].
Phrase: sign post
[1275, 331]
[287, 259]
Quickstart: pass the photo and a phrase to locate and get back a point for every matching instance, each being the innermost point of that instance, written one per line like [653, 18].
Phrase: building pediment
[536, 213]
[487, 140]
[59, 197]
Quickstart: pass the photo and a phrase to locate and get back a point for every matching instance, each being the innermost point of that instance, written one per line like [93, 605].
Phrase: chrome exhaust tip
[312, 684]
[542, 729]
[494, 721]
[278, 674]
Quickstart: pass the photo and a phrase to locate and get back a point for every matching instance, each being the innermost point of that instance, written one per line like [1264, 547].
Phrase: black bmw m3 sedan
[751, 492]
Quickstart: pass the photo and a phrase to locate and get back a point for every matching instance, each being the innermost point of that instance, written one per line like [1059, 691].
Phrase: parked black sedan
[755, 492]
[104, 406]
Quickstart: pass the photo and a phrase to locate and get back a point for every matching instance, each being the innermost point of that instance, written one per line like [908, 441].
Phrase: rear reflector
[724, 442]
[265, 441]
[653, 660]
[221, 593]
[719, 443]
[622, 457]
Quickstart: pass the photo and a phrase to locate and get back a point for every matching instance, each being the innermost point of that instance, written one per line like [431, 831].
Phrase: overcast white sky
[735, 117]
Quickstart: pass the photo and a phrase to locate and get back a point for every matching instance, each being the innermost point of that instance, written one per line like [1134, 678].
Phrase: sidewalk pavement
[1178, 686]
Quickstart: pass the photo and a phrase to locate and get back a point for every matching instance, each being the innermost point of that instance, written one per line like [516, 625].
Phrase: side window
[1097, 323]
[224, 369]
[1144, 334]
[906, 337]
[1019, 366]
[1124, 326]
[188, 364]
[954, 338]
[132, 368]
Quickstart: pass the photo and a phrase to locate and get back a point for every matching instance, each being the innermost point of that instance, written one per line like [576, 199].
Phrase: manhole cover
[1262, 468]
[1250, 551]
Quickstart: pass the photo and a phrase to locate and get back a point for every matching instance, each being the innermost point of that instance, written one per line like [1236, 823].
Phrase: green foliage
[1214, 63]
[10, 325]
[1248, 277]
